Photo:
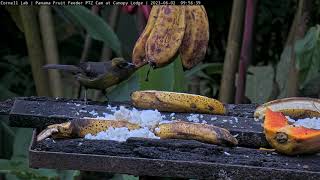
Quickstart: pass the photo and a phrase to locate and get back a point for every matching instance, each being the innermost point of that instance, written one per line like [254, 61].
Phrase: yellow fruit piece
[196, 37]
[201, 132]
[296, 107]
[139, 55]
[176, 102]
[80, 127]
[166, 36]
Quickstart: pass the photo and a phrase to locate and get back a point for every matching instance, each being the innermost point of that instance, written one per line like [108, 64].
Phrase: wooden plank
[41, 113]
[171, 158]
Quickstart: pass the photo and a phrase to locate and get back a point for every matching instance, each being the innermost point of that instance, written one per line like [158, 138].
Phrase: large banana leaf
[168, 78]
[95, 26]
[308, 56]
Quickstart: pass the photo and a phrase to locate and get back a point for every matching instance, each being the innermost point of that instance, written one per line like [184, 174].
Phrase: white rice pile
[147, 119]
[193, 118]
[310, 123]
[122, 134]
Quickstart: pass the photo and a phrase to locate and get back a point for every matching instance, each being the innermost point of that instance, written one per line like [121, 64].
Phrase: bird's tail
[68, 68]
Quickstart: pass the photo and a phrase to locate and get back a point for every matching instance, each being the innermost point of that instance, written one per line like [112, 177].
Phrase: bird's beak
[131, 65]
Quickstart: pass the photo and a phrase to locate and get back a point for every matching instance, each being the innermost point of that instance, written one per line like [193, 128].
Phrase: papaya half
[287, 138]
[298, 107]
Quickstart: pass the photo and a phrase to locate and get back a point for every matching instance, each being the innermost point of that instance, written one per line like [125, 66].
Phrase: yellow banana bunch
[80, 127]
[176, 102]
[170, 31]
[201, 132]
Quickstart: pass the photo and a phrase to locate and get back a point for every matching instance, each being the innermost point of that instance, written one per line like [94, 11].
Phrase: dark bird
[98, 75]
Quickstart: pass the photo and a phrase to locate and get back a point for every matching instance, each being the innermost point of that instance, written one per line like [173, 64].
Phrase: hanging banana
[173, 31]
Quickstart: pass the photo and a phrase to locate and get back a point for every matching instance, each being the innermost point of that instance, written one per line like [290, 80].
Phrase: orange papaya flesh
[289, 139]
[274, 120]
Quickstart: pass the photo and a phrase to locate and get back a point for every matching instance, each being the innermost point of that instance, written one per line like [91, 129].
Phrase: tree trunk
[51, 49]
[297, 31]
[35, 49]
[227, 87]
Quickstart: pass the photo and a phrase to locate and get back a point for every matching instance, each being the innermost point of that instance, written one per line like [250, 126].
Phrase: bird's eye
[122, 65]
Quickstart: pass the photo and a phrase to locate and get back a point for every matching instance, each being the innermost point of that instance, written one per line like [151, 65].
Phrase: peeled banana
[176, 102]
[139, 55]
[296, 107]
[81, 127]
[196, 37]
[201, 132]
[166, 36]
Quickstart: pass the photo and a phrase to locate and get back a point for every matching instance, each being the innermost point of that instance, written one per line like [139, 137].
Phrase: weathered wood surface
[40, 112]
[172, 158]
[165, 158]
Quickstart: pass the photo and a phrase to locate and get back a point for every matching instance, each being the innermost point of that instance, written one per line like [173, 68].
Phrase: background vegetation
[285, 60]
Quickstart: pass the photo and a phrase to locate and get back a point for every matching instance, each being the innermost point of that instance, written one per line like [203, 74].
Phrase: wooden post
[230, 65]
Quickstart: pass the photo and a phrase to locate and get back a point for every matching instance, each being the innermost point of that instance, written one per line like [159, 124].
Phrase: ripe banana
[176, 102]
[81, 127]
[166, 36]
[196, 37]
[138, 55]
[201, 132]
[296, 107]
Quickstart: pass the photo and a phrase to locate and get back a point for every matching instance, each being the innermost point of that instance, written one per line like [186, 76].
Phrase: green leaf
[212, 68]
[96, 27]
[282, 71]
[123, 91]
[21, 143]
[259, 85]
[308, 43]
[307, 52]
[15, 15]
[6, 93]
[168, 78]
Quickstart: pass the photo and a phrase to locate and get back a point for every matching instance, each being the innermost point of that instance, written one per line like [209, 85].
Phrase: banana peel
[139, 54]
[176, 102]
[194, 131]
[288, 139]
[196, 37]
[296, 107]
[78, 128]
[166, 36]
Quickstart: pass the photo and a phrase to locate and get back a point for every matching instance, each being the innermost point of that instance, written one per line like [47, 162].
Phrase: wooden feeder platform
[154, 157]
